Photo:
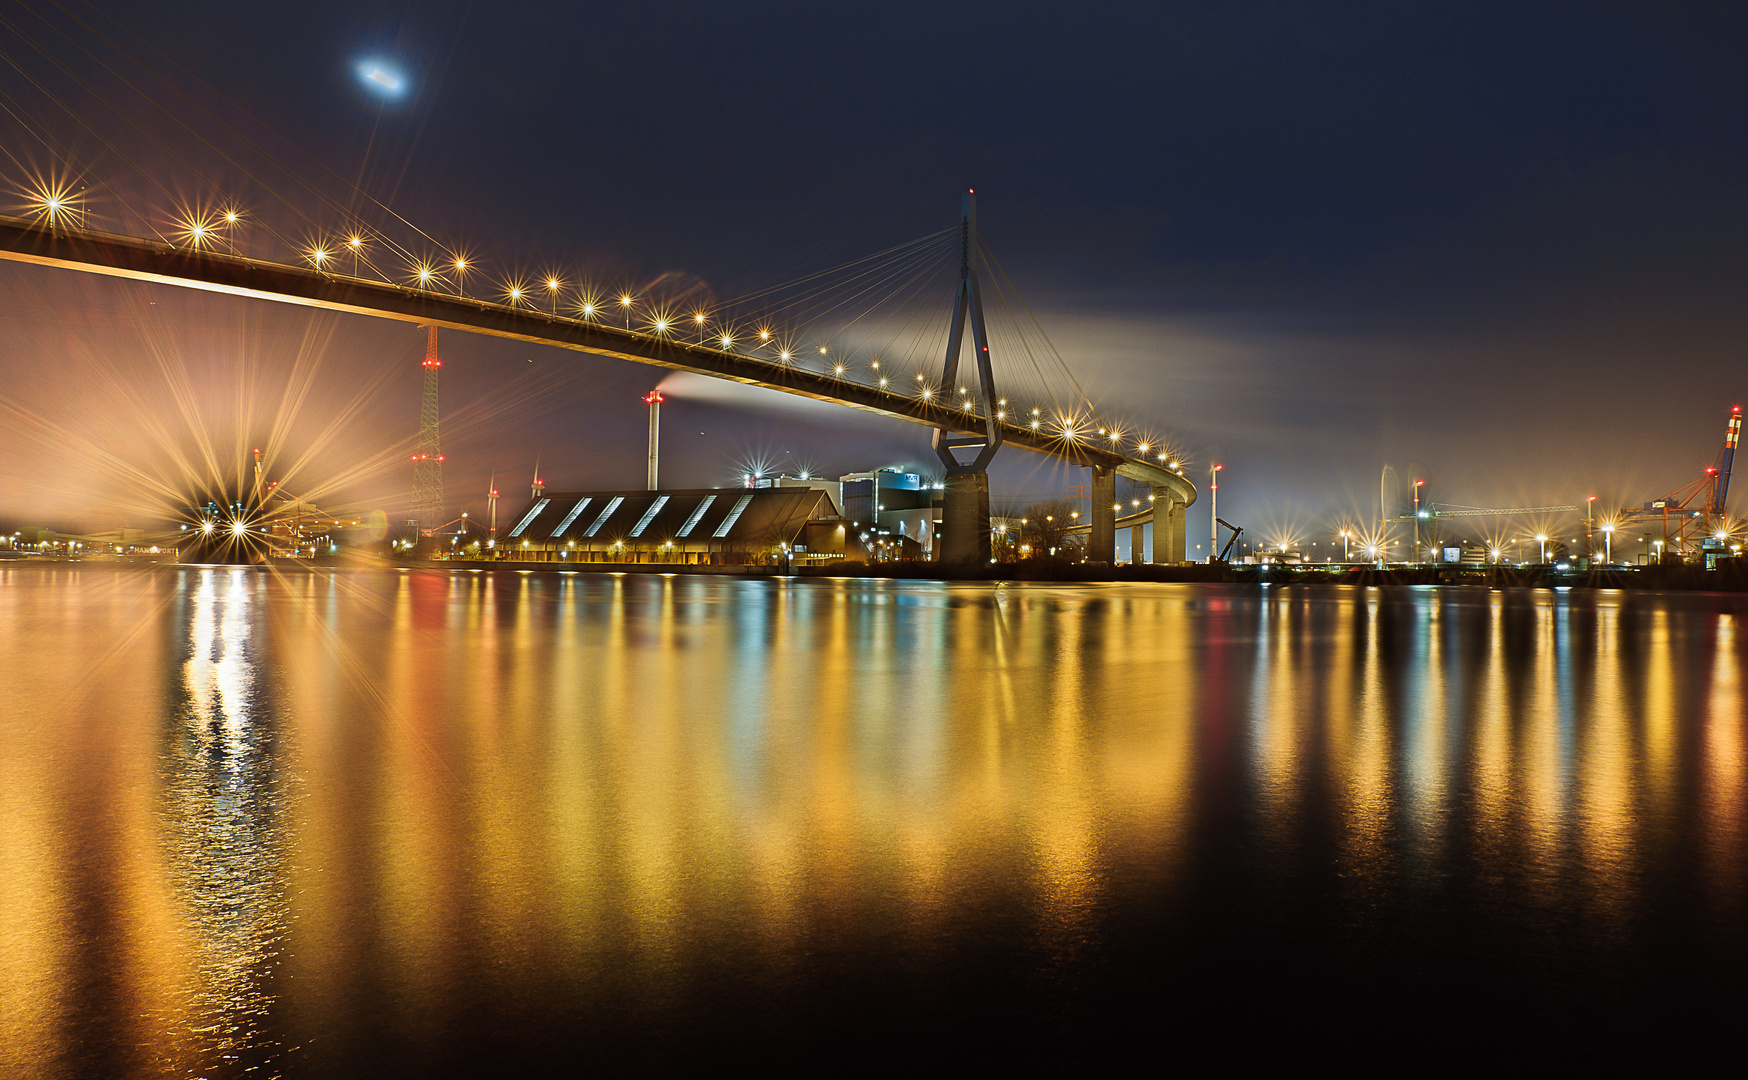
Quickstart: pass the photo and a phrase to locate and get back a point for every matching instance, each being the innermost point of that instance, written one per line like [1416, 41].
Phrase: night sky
[1499, 247]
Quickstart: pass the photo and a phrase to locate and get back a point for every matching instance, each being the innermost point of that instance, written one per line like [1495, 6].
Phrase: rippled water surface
[432, 823]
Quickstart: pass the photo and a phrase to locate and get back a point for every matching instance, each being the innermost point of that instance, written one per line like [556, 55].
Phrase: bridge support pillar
[1137, 545]
[1101, 541]
[964, 535]
[1168, 527]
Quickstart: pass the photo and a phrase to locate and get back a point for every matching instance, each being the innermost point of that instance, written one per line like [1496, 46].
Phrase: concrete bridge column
[1101, 543]
[964, 536]
[1168, 527]
[1137, 545]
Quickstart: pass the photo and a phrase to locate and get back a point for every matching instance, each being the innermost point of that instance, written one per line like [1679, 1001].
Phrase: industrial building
[830, 487]
[892, 513]
[721, 526]
[898, 507]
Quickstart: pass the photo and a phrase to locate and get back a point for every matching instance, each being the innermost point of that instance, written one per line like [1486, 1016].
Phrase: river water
[433, 823]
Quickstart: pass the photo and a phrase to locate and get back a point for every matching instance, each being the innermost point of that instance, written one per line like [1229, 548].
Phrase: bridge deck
[142, 260]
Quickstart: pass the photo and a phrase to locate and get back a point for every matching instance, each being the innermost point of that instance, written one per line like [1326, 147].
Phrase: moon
[384, 78]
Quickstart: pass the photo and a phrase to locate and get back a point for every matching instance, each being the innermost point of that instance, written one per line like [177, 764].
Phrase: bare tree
[1045, 530]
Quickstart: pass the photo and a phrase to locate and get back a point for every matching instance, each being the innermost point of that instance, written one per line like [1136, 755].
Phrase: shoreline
[1727, 579]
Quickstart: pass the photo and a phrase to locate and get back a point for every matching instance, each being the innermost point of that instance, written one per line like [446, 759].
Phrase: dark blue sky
[1499, 246]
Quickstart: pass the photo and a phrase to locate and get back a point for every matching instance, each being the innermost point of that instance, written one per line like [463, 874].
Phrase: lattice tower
[428, 459]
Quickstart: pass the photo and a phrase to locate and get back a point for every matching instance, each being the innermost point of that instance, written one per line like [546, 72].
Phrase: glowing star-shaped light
[53, 203]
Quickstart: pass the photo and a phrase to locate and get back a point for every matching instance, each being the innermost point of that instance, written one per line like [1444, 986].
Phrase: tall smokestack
[654, 400]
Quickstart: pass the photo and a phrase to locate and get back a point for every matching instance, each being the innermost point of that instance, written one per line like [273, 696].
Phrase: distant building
[893, 505]
[721, 526]
[831, 487]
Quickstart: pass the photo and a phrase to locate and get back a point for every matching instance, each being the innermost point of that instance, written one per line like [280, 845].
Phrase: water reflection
[544, 814]
[222, 804]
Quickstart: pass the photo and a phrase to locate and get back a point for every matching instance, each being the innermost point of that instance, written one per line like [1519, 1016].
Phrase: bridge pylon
[964, 536]
[1101, 541]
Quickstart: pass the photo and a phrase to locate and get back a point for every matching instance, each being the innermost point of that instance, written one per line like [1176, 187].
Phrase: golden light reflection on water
[301, 814]
[222, 809]
[1360, 743]
[1725, 812]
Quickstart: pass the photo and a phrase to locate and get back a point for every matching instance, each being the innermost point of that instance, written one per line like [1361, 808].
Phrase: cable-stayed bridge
[983, 422]
[930, 331]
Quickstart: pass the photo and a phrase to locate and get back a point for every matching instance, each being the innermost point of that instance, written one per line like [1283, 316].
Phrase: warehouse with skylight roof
[720, 526]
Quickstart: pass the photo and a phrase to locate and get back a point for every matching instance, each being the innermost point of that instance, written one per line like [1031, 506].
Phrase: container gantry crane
[1692, 516]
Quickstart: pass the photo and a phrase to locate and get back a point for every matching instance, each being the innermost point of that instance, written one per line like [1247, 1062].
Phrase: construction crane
[1236, 533]
[1479, 511]
[1694, 516]
[1434, 513]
